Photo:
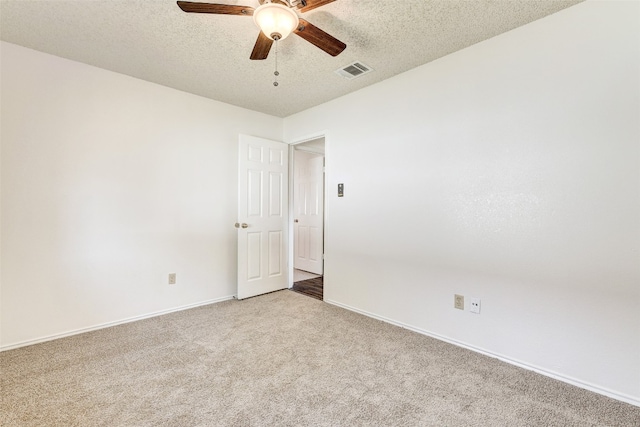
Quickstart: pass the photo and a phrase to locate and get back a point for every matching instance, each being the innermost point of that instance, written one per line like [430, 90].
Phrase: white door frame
[297, 141]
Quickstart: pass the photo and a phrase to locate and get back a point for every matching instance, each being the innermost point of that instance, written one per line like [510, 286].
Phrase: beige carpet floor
[282, 359]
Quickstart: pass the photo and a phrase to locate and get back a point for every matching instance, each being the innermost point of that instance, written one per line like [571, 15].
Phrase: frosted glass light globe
[276, 21]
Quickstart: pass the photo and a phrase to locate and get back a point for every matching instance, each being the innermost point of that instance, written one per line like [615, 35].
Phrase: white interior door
[262, 216]
[308, 211]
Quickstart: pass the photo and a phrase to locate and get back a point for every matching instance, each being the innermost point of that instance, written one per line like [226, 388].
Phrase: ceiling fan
[276, 20]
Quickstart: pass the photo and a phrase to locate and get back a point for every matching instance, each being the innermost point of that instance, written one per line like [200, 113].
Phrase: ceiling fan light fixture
[276, 21]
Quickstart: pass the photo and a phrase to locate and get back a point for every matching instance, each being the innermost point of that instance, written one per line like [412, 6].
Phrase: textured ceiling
[208, 55]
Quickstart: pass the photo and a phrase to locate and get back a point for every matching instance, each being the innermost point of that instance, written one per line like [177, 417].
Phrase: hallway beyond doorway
[300, 275]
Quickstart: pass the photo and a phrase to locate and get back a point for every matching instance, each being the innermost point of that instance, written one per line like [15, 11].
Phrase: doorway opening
[308, 217]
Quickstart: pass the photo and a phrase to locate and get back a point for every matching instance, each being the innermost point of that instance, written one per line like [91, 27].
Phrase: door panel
[254, 193]
[309, 212]
[313, 244]
[262, 216]
[254, 256]
[276, 194]
[275, 253]
[303, 239]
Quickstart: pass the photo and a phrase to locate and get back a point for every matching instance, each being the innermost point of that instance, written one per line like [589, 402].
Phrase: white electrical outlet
[458, 302]
[172, 278]
[475, 305]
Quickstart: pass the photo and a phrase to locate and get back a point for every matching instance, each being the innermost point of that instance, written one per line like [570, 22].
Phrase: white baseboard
[591, 387]
[109, 324]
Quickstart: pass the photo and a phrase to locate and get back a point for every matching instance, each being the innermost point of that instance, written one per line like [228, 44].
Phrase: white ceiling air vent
[353, 70]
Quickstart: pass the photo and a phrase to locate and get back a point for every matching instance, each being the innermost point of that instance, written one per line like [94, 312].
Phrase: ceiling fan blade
[221, 9]
[312, 4]
[319, 38]
[262, 47]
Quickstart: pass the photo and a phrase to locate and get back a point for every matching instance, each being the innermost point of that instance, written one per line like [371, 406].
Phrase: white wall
[508, 171]
[109, 183]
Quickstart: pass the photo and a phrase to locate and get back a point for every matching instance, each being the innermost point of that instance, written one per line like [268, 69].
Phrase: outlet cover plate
[458, 302]
[475, 305]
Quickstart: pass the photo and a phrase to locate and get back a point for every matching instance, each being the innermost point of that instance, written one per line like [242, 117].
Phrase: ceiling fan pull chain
[276, 73]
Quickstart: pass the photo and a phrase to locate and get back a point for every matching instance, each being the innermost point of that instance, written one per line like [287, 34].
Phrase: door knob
[295, 220]
[244, 225]
[237, 225]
